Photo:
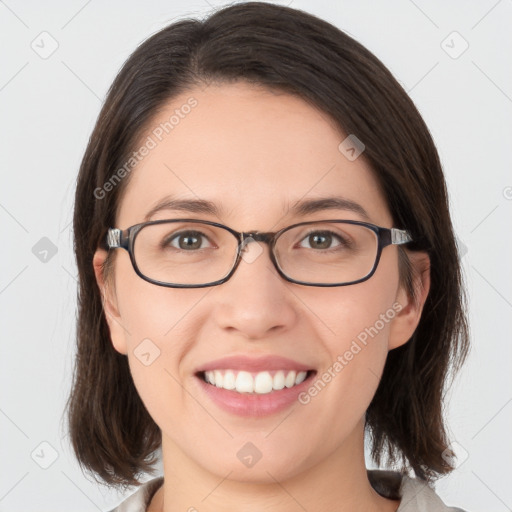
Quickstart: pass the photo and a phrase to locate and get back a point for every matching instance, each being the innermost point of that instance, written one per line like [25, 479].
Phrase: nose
[256, 300]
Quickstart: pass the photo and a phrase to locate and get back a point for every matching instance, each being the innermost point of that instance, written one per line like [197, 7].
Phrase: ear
[409, 309]
[109, 299]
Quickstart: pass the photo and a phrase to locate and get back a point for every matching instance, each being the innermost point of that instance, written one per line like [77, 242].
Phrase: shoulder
[140, 499]
[414, 494]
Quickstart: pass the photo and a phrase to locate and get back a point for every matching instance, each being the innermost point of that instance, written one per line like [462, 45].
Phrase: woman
[267, 271]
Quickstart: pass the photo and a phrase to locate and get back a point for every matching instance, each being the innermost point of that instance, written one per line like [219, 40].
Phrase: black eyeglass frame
[117, 238]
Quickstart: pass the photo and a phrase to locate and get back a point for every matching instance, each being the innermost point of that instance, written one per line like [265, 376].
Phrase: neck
[336, 483]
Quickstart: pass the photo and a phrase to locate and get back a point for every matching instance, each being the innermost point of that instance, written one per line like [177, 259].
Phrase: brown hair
[288, 50]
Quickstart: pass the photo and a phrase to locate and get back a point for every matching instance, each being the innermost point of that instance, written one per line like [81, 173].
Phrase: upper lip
[254, 364]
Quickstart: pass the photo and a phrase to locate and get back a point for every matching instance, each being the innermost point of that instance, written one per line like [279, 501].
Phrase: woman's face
[254, 154]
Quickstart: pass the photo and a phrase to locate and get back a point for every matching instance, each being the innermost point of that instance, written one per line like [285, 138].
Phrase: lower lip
[248, 404]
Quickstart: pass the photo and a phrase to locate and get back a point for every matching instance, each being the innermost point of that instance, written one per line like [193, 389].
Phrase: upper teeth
[262, 382]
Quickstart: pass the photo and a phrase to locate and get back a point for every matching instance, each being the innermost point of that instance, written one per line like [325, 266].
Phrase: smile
[253, 394]
[254, 382]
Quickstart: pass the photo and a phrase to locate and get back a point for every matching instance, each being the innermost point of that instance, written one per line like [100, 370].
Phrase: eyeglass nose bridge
[256, 236]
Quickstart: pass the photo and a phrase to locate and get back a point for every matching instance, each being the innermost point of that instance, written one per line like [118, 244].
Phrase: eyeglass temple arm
[400, 236]
[115, 239]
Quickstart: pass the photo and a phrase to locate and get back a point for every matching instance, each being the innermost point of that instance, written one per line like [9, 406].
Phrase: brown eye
[186, 240]
[323, 240]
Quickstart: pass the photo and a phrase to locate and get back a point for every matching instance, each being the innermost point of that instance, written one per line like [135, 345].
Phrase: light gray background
[48, 108]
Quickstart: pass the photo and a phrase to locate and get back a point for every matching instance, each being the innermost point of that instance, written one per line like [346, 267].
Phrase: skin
[254, 153]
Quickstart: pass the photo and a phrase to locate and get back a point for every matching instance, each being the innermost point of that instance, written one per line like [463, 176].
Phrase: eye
[186, 240]
[323, 240]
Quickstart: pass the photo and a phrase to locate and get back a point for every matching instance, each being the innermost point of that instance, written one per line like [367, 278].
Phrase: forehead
[251, 151]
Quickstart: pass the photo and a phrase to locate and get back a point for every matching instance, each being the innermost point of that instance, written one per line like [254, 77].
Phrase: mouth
[252, 394]
[254, 386]
[255, 383]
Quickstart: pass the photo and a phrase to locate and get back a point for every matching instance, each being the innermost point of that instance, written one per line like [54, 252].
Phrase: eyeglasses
[190, 253]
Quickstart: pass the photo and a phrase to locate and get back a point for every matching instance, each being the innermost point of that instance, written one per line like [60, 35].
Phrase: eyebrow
[300, 208]
[309, 206]
[184, 205]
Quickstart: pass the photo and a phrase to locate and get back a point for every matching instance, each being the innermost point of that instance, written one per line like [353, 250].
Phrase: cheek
[353, 324]
[159, 324]
[348, 312]
[151, 311]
